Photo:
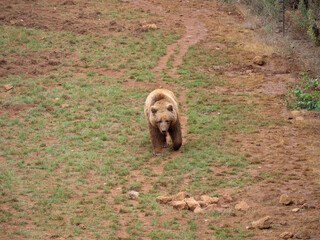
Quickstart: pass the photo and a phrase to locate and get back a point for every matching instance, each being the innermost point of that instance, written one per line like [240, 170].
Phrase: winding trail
[195, 31]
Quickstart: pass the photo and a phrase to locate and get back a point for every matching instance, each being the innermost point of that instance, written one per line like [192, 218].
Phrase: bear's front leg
[157, 139]
[176, 135]
[165, 144]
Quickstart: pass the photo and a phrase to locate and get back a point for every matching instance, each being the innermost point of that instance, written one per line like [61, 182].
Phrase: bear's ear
[170, 107]
[154, 110]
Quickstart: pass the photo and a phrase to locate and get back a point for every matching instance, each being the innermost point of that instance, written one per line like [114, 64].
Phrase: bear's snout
[163, 128]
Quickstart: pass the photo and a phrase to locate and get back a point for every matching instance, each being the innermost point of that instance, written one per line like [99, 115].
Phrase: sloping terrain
[74, 141]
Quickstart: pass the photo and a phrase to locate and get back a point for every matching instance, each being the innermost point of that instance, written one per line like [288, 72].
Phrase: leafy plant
[311, 23]
[305, 95]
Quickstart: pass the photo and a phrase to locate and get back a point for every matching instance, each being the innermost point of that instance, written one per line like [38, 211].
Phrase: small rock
[180, 196]
[227, 197]
[179, 205]
[8, 87]
[198, 210]
[211, 208]
[164, 199]
[203, 203]
[285, 199]
[209, 200]
[150, 26]
[133, 195]
[192, 203]
[295, 210]
[259, 60]
[262, 223]
[242, 206]
[286, 235]
[82, 226]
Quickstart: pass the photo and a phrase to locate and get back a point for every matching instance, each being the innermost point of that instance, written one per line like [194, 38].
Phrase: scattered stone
[133, 195]
[65, 105]
[203, 203]
[163, 199]
[82, 226]
[179, 205]
[209, 200]
[242, 206]
[295, 210]
[192, 203]
[286, 235]
[8, 87]
[263, 223]
[149, 27]
[259, 60]
[227, 197]
[285, 199]
[182, 200]
[212, 208]
[198, 210]
[180, 196]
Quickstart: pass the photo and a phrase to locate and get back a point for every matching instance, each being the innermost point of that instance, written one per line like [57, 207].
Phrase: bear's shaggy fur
[162, 114]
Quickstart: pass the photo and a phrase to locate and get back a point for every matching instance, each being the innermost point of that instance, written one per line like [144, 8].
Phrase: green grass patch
[229, 233]
[128, 50]
[197, 64]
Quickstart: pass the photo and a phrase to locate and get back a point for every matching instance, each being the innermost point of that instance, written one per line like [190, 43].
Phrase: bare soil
[291, 152]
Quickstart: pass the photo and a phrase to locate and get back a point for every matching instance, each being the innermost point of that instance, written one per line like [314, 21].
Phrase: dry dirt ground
[289, 152]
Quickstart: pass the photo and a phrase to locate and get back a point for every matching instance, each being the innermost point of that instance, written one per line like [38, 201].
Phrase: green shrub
[305, 95]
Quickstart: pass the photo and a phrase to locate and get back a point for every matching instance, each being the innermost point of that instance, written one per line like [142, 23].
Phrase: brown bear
[162, 114]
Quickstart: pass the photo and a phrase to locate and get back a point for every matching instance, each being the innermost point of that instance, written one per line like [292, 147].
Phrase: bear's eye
[159, 121]
[167, 121]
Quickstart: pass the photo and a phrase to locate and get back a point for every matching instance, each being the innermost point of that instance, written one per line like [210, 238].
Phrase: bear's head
[163, 115]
